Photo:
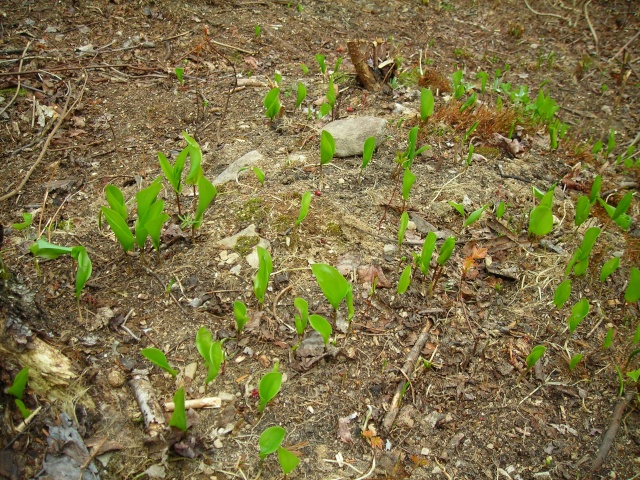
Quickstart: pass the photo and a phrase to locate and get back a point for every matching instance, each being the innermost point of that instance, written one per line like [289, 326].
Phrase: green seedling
[609, 267]
[331, 97]
[575, 360]
[634, 375]
[622, 220]
[470, 154]
[269, 387]
[562, 294]
[544, 107]
[322, 326]
[261, 279]
[256, 31]
[240, 313]
[536, 354]
[469, 103]
[424, 259]
[17, 390]
[195, 161]
[305, 201]
[500, 210]
[173, 173]
[120, 228]
[25, 224]
[272, 103]
[304, 69]
[270, 442]
[206, 194]
[458, 84]
[259, 175]
[541, 216]
[333, 285]
[212, 353]
[301, 320]
[411, 152]
[367, 153]
[301, 94]
[611, 143]
[595, 189]
[405, 280]
[583, 207]
[472, 218]
[608, 339]
[277, 78]
[580, 260]
[632, 293]
[150, 215]
[426, 104]
[553, 135]
[321, 63]
[158, 358]
[47, 250]
[445, 253]
[404, 222]
[578, 312]
[327, 148]
[597, 147]
[408, 180]
[179, 416]
[483, 76]
[179, 74]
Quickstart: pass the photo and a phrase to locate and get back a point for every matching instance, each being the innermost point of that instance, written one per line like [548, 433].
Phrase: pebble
[115, 378]
[217, 443]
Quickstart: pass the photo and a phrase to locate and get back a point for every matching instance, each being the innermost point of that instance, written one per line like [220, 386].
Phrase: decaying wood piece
[390, 417]
[610, 434]
[362, 69]
[154, 420]
[208, 402]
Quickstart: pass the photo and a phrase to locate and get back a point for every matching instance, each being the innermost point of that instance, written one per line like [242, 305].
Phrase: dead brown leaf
[367, 274]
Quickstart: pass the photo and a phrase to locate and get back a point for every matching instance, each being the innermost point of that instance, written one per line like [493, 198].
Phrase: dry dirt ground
[469, 413]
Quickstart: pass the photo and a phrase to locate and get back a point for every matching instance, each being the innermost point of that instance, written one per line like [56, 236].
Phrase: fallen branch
[390, 417]
[65, 113]
[362, 69]
[152, 415]
[610, 434]
[208, 402]
[19, 80]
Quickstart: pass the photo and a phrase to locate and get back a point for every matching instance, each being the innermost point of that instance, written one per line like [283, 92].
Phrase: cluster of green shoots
[625, 158]
[16, 390]
[150, 209]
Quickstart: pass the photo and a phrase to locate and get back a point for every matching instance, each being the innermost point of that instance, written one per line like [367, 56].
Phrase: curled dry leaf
[343, 430]
[348, 263]
[367, 273]
[513, 146]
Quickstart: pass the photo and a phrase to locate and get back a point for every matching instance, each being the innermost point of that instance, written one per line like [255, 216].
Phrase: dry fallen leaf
[367, 273]
[343, 430]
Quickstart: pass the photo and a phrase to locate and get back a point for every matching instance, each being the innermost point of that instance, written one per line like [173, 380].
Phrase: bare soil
[473, 413]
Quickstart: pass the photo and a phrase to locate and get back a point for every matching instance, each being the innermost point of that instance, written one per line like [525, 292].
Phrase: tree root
[610, 434]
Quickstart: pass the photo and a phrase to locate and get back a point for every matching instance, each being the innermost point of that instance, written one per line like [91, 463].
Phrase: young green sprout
[322, 326]
[632, 293]
[240, 314]
[334, 287]
[541, 217]
[257, 171]
[580, 260]
[269, 387]
[270, 441]
[404, 222]
[574, 361]
[261, 280]
[536, 353]
[179, 416]
[158, 358]
[301, 94]
[321, 63]
[367, 155]
[562, 293]
[578, 312]
[305, 201]
[272, 103]
[17, 390]
[426, 104]
[445, 253]
[301, 320]
[408, 180]
[211, 352]
[327, 148]
[405, 280]
[179, 74]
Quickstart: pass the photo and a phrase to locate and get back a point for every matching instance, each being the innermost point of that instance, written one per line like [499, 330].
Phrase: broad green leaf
[84, 267]
[623, 206]
[24, 411]
[475, 216]
[427, 252]
[216, 357]
[501, 209]
[240, 312]
[331, 93]
[271, 97]
[473, 127]
[259, 174]
[540, 220]
[301, 95]
[547, 199]
[304, 207]
[333, 285]
[179, 416]
[405, 280]
[458, 207]
[321, 63]
[325, 109]
[404, 222]
[634, 375]
[367, 151]
[562, 293]
[608, 339]
[578, 312]
[120, 228]
[301, 320]
[583, 207]
[287, 460]
[19, 383]
[158, 358]
[270, 440]
[597, 147]
[446, 250]
[623, 221]
[327, 147]
[206, 193]
[28, 218]
[609, 267]
[322, 326]
[412, 142]
[150, 215]
[407, 182]
[269, 387]
[203, 343]
[632, 293]
[172, 173]
[261, 280]
[575, 360]
[145, 198]
[47, 250]
[195, 160]
[535, 355]
[115, 198]
[154, 228]
[470, 102]
[426, 103]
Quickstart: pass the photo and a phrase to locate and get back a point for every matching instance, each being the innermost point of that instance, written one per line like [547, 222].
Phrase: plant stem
[178, 203]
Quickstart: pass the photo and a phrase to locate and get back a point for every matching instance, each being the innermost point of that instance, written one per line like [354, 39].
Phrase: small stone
[217, 443]
[350, 133]
[411, 226]
[425, 451]
[236, 270]
[115, 378]
[190, 370]
[226, 397]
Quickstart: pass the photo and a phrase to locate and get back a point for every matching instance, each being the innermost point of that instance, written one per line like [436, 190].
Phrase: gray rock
[351, 133]
[230, 242]
[231, 172]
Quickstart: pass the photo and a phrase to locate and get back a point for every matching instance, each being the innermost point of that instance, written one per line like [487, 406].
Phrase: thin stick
[547, 14]
[408, 365]
[65, 113]
[19, 79]
[610, 435]
[275, 303]
[91, 456]
[593, 31]
[621, 49]
[368, 474]
[220, 44]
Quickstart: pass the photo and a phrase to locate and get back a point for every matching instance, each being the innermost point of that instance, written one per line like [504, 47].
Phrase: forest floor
[98, 98]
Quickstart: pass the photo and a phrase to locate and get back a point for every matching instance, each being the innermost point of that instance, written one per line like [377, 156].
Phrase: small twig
[220, 44]
[275, 303]
[19, 80]
[368, 474]
[65, 113]
[610, 434]
[593, 31]
[27, 421]
[547, 14]
[621, 49]
[91, 456]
